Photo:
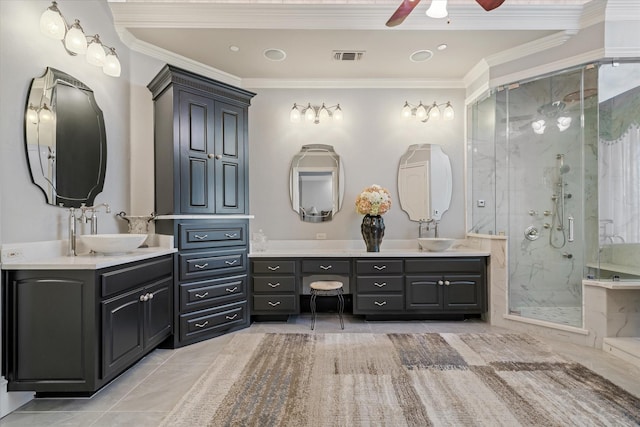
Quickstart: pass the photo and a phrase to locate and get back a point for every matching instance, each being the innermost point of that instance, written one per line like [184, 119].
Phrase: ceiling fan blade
[489, 4]
[402, 12]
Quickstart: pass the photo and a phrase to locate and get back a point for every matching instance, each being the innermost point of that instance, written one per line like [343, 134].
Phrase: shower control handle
[570, 220]
[531, 233]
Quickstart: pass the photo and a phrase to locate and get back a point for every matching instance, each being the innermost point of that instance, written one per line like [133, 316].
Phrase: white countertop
[356, 248]
[51, 255]
[612, 284]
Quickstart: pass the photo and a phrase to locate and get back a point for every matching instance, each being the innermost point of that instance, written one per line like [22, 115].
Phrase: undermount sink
[435, 244]
[112, 243]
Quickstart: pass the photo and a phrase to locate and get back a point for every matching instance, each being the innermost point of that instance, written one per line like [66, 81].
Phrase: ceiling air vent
[344, 55]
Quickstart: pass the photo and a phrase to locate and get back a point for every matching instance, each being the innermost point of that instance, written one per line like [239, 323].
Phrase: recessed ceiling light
[275, 54]
[442, 46]
[234, 48]
[421, 55]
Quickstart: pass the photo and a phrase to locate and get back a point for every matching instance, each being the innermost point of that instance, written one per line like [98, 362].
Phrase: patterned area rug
[431, 379]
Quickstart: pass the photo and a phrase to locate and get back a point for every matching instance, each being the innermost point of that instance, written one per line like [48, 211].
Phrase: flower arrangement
[373, 200]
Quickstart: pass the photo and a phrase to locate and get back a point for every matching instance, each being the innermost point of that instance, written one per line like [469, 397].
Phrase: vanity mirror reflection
[316, 185]
[65, 139]
[425, 182]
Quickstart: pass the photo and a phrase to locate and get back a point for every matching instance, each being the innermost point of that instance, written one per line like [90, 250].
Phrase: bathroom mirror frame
[318, 169]
[65, 139]
[425, 182]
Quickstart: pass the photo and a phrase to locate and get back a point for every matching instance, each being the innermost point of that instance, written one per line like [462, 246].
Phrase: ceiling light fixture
[314, 113]
[437, 9]
[424, 113]
[75, 42]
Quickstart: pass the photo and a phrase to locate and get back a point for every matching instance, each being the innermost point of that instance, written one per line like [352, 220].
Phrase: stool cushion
[325, 285]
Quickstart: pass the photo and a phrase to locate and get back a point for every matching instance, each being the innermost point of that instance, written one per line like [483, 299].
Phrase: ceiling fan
[408, 5]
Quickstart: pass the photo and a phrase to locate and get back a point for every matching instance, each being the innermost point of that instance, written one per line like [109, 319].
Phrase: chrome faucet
[426, 222]
[93, 210]
[73, 219]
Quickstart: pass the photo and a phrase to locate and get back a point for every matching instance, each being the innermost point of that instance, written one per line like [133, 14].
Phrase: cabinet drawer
[217, 291]
[445, 265]
[326, 266]
[273, 266]
[203, 264]
[204, 322]
[382, 266]
[276, 304]
[274, 284]
[209, 235]
[379, 284]
[122, 279]
[379, 303]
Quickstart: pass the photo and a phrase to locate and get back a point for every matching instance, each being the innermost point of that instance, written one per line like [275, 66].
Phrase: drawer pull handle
[440, 282]
[199, 237]
[447, 283]
[277, 267]
[274, 304]
[202, 325]
[231, 235]
[201, 266]
[380, 304]
[231, 290]
[380, 285]
[274, 285]
[231, 262]
[379, 267]
[202, 295]
[326, 267]
[231, 317]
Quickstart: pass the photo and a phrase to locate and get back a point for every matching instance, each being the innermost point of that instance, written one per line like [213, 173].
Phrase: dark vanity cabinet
[200, 144]
[211, 277]
[446, 285]
[379, 286]
[275, 287]
[73, 331]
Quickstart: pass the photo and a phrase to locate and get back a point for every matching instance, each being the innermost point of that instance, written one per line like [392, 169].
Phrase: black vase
[372, 232]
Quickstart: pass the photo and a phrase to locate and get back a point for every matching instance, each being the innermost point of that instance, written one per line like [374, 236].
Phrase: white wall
[370, 140]
[24, 215]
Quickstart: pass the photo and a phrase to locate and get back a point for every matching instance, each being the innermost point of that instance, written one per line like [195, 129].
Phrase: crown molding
[352, 84]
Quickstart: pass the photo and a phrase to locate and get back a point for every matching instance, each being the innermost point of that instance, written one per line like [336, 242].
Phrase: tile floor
[145, 393]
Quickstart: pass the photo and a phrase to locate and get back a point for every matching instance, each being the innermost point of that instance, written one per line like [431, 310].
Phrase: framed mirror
[316, 185]
[425, 182]
[65, 139]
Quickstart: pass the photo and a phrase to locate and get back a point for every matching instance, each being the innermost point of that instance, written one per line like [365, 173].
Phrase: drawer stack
[275, 290]
[379, 286]
[211, 282]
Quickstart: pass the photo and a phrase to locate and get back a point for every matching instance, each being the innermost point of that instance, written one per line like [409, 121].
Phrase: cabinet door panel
[196, 142]
[158, 312]
[230, 164]
[424, 292]
[463, 293]
[122, 331]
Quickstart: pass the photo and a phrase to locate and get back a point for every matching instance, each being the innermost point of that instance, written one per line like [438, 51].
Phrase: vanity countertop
[356, 249]
[49, 255]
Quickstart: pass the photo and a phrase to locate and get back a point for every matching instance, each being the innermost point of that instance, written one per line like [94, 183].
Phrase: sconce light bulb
[75, 41]
[52, 24]
[111, 65]
[421, 112]
[437, 9]
[337, 114]
[95, 52]
[294, 115]
[434, 112]
[448, 113]
[323, 114]
[406, 110]
[309, 113]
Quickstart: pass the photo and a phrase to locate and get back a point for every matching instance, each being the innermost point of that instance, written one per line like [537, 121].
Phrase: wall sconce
[423, 113]
[75, 42]
[314, 113]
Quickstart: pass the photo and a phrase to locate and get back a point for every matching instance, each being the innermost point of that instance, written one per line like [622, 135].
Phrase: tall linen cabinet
[202, 199]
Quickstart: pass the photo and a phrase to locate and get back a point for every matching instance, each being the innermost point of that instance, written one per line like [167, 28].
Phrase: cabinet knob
[214, 156]
[143, 297]
[440, 282]
[447, 283]
[150, 295]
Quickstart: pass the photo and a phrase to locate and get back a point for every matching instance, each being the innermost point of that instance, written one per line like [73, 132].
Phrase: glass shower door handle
[570, 220]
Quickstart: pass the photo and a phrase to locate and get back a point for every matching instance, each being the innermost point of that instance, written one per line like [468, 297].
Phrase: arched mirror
[424, 182]
[316, 183]
[65, 139]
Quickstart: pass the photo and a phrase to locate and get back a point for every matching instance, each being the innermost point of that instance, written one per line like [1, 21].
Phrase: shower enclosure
[532, 155]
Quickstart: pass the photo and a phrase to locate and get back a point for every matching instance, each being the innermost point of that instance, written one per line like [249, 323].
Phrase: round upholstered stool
[326, 288]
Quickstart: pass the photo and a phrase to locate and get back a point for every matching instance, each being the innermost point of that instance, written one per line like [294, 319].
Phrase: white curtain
[619, 187]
